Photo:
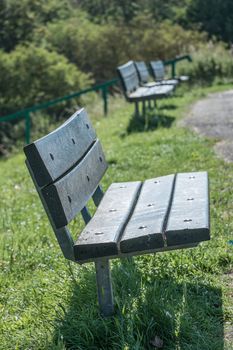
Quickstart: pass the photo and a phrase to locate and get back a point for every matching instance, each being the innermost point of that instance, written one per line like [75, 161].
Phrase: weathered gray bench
[132, 218]
[144, 76]
[134, 92]
[158, 72]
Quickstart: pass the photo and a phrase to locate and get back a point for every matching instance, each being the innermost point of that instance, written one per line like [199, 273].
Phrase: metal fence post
[105, 98]
[27, 127]
[173, 69]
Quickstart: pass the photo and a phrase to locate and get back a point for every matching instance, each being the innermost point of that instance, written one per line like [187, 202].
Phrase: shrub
[211, 61]
[30, 75]
[19, 18]
[100, 48]
[92, 47]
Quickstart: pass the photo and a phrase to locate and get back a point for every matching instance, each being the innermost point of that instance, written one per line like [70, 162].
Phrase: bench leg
[136, 110]
[143, 108]
[149, 104]
[155, 105]
[104, 287]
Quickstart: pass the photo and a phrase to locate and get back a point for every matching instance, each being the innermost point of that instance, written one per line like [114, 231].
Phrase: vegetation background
[51, 48]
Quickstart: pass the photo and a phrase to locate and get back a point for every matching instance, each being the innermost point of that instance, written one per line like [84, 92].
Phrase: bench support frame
[104, 287]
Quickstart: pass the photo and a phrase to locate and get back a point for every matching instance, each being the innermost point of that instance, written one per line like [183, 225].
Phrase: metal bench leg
[143, 108]
[104, 287]
[155, 104]
[149, 104]
[136, 110]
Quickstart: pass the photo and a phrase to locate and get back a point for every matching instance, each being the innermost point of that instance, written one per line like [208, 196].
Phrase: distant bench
[132, 218]
[158, 74]
[136, 93]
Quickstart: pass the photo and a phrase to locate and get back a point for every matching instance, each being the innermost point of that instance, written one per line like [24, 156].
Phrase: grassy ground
[183, 297]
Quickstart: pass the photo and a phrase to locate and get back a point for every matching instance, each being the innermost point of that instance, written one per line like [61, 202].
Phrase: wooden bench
[132, 218]
[158, 72]
[144, 76]
[134, 92]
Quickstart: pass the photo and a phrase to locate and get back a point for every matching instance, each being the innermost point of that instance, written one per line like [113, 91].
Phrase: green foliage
[162, 40]
[210, 62]
[30, 75]
[94, 48]
[77, 39]
[213, 16]
[105, 10]
[20, 18]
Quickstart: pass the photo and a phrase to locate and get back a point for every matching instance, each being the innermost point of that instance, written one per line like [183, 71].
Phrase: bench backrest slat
[128, 76]
[143, 72]
[53, 155]
[158, 70]
[68, 195]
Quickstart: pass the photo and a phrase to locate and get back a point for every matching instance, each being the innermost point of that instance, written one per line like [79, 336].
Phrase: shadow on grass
[151, 121]
[168, 106]
[184, 315]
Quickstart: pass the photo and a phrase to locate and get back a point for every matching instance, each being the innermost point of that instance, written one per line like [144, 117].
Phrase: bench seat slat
[145, 228]
[169, 81]
[188, 220]
[100, 236]
[67, 196]
[54, 154]
[150, 92]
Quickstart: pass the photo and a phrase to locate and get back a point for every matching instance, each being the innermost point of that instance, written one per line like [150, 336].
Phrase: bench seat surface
[143, 93]
[163, 212]
[169, 81]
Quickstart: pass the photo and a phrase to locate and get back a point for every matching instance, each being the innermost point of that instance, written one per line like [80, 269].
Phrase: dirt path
[213, 117]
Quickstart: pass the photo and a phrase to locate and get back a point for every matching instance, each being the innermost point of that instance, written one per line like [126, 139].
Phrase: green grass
[183, 296]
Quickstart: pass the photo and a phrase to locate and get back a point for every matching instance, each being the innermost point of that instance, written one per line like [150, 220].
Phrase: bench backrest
[143, 72]
[66, 166]
[157, 68]
[128, 77]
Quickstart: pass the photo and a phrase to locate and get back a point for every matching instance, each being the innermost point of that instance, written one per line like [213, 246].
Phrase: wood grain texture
[188, 220]
[67, 196]
[144, 230]
[100, 236]
[54, 154]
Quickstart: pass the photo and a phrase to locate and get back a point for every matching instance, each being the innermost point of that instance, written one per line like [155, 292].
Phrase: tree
[20, 18]
[213, 16]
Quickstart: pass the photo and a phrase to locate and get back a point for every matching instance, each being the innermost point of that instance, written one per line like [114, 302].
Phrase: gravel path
[213, 117]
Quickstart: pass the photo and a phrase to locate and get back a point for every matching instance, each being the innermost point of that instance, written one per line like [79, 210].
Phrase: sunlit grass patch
[181, 296]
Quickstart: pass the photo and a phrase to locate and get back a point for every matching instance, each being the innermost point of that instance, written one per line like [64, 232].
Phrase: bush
[92, 47]
[100, 48]
[211, 61]
[20, 18]
[30, 75]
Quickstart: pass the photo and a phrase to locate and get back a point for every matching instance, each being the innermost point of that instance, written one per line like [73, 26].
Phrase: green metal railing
[174, 61]
[104, 88]
[25, 113]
